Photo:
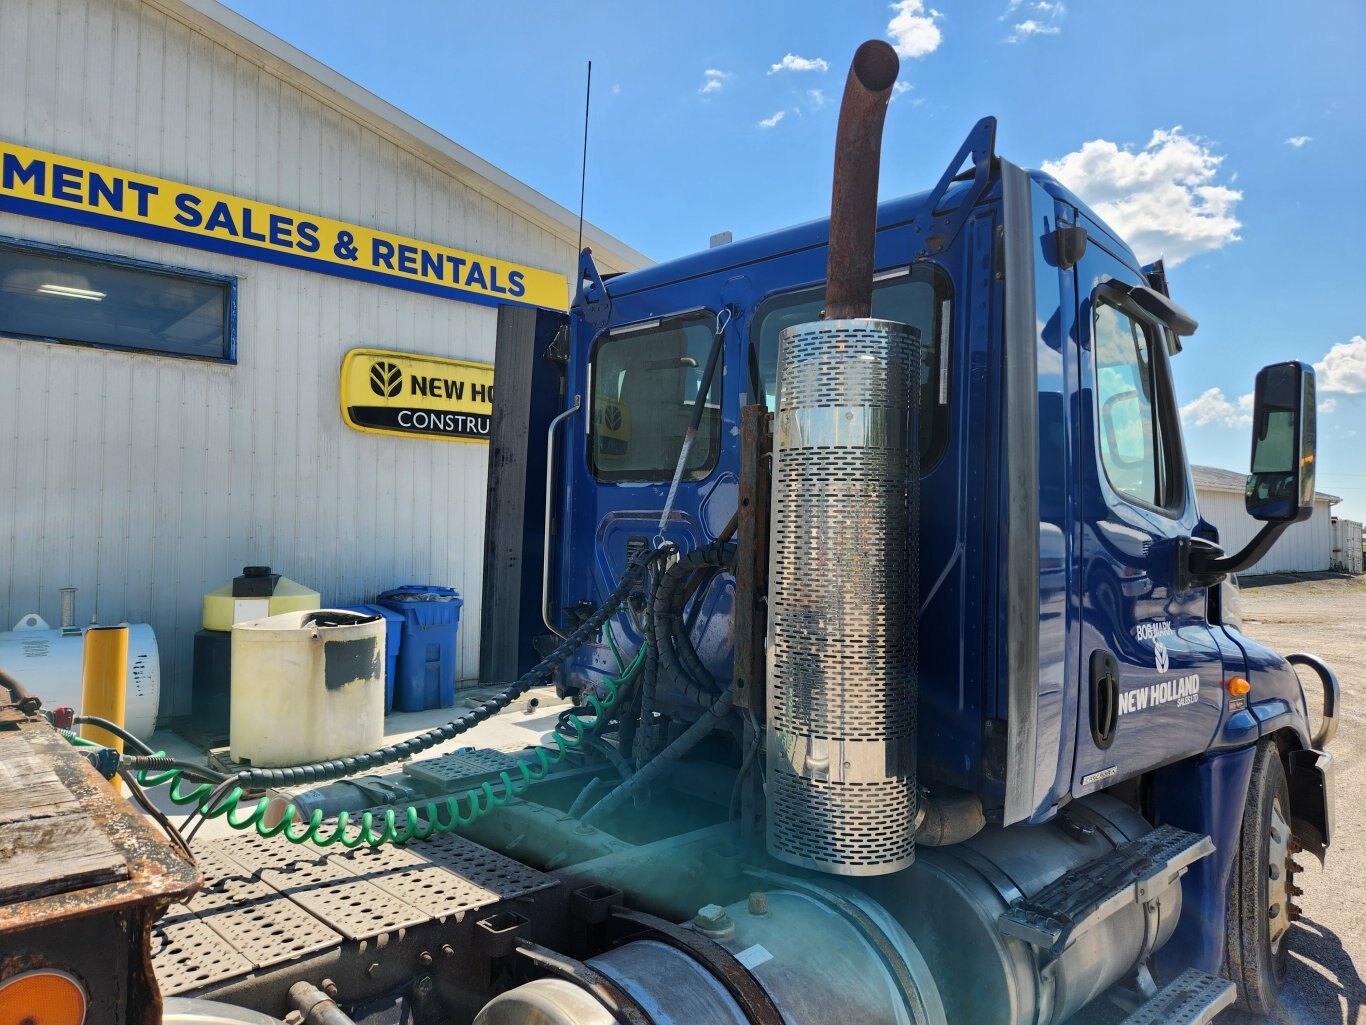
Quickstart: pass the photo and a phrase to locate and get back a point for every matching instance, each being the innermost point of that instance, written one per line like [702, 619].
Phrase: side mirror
[1280, 487]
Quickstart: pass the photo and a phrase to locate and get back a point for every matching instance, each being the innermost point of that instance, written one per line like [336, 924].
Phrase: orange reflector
[1237, 686]
[43, 997]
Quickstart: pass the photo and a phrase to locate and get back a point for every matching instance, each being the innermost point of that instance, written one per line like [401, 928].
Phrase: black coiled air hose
[339, 768]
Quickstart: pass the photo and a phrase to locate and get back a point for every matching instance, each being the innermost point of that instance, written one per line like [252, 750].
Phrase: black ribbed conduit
[671, 656]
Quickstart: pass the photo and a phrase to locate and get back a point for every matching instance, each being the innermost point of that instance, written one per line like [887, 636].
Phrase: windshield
[918, 296]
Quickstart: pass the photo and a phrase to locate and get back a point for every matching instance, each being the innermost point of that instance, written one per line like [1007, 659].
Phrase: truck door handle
[549, 504]
[1104, 698]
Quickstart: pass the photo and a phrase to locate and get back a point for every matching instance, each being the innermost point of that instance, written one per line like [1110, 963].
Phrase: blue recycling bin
[393, 641]
[426, 656]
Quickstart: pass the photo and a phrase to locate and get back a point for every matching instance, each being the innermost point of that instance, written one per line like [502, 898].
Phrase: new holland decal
[398, 393]
[1180, 691]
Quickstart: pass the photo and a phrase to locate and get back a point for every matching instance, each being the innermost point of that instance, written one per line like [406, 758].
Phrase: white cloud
[772, 122]
[1213, 408]
[616, 89]
[1344, 368]
[713, 81]
[912, 30]
[899, 87]
[816, 98]
[794, 63]
[1030, 27]
[1298, 140]
[1162, 199]
[1328, 405]
[1050, 13]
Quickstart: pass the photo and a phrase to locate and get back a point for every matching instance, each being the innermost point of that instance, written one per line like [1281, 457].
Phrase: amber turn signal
[43, 997]
[1237, 686]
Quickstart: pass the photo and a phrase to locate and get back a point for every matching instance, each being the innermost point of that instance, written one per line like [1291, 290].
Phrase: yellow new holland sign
[398, 393]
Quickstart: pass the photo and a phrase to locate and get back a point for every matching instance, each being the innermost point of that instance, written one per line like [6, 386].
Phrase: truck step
[1192, 998]
[1137, 872]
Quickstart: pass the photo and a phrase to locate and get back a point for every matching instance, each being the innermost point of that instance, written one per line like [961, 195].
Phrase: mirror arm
[1205, 564]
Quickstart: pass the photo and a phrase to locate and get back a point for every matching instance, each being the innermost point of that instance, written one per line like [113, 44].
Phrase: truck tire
[1259, 909]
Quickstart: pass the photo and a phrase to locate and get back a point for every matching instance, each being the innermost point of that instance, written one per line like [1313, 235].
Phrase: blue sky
[1228, 136]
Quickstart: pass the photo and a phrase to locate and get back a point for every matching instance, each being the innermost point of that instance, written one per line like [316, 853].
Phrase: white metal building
[1305, 547]
[145, 478]
[1347, 546]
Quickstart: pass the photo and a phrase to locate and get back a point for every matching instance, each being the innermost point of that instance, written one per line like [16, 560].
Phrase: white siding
[145, 481]
[1305, 547]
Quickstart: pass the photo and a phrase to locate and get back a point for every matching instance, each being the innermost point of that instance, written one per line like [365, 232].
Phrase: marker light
[1237, 686]
[43, 997]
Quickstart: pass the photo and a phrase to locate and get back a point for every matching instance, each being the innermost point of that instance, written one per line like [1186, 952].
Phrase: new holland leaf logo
[611, 418]
[386, 379]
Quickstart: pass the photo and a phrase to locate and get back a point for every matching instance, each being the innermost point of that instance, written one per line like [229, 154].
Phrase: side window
[646, 380]
[918, 295]
[1135, 449]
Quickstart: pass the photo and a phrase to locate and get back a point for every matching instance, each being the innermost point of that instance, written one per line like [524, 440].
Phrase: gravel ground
[1326, 617]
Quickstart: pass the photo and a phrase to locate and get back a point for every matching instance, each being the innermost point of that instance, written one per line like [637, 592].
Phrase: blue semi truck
[1078, 645]
[908, 680]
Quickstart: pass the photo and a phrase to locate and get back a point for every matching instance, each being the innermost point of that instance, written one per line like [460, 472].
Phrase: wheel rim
[1278, 877]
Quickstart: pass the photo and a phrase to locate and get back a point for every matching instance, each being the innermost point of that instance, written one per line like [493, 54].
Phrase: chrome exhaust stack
[844, 595]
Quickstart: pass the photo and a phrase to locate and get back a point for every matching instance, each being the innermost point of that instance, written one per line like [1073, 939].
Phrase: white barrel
[48, 663]
[306, 687]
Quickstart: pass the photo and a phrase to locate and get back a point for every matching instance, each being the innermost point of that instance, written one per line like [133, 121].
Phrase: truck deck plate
[1192, 998]
[1135, 872]
[187, 955]
[461, 768]
[267, 901]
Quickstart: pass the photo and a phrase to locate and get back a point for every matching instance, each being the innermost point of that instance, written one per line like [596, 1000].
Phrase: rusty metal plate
[150, 872]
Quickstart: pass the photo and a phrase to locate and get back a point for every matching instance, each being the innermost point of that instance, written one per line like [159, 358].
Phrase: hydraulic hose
[224, 797]
[114, 728]
[677, 658]
[648, 773]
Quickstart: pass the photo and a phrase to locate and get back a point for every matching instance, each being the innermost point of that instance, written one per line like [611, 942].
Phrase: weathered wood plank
[29, 788]
[55, 855]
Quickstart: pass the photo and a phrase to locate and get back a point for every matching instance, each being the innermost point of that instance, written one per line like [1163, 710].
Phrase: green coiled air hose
[225, 798]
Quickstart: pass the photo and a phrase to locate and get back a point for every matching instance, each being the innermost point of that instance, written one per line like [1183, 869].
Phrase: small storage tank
[48, 663]
[255, 594]
[307, 687]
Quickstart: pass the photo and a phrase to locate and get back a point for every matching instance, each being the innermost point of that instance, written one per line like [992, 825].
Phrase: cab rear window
[646, 380]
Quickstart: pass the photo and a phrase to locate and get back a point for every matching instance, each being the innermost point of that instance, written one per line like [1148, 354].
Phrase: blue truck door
[637, 383]
[1149, 667]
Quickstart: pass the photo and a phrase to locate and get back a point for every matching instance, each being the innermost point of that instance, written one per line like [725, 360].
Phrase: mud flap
[1311, 800]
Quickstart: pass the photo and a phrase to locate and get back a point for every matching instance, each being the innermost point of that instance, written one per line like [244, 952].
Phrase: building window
[82, 298]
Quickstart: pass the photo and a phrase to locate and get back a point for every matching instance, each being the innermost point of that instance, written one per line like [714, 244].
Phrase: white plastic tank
[48, 663]
[306, 687]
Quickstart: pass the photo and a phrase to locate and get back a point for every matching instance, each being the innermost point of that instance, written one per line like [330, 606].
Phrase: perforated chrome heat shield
[844, 598]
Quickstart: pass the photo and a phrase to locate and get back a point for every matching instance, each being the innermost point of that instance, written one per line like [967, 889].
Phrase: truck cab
[1072, 638]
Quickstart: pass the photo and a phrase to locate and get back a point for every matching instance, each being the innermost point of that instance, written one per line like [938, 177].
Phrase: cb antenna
[583, 172]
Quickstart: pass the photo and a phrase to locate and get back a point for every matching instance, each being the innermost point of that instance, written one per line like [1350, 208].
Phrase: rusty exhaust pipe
[853, 203]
